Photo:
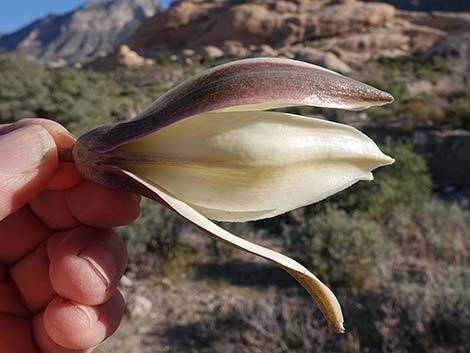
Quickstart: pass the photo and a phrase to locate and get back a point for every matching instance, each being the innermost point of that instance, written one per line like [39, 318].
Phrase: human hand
[60, 262]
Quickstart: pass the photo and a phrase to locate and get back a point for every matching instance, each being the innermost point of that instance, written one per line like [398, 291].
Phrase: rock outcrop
[277, 23]
[122, 56]
[80, 35]
[350, 30]
[456, 43]
[446, 21]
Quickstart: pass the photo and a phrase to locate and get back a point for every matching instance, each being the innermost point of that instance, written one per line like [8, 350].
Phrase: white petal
[244, 166]
[322, 295]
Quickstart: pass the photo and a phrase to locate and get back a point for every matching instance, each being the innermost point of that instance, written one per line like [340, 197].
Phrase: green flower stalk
[212, 148]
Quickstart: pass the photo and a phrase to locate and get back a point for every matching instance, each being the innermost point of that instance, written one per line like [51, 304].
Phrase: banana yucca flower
[211, 148]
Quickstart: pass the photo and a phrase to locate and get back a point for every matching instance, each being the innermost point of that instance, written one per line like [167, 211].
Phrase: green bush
[23, 88]
[437, 231]
[406, 183]
[342, 249]
[162, 58]
[458, 112]
[417, 66]
[81, 100]
[78, 99]
[419, 114]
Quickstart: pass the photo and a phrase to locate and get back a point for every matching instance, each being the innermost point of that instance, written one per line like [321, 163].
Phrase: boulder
[188, 53]
[122, 56]
[56, 64]
[332, 62]
[139, 307]
[126, 57]
[318, 57]
[126, 282]
[236, 49]
[212, 52]
[266, 50]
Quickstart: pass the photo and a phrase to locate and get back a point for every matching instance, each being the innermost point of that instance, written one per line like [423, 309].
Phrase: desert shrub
[23, 88]
[152, 238]
[180, 261]
[81, 99]
[381, 114]
[458, 111]
[419, 66]
[162, 58]
[416, 113]
[437, 231]
[429, 318]
[78, 99]
[341, 249]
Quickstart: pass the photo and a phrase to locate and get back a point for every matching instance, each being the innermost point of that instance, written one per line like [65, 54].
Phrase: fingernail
[89, 314]
[100, 272]
[24, 149]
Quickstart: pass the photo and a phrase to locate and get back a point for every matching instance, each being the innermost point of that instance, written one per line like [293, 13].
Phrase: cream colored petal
[252, 165]
[322, 295]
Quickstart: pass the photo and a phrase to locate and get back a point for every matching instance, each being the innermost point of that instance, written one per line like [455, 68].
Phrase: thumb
[28, 160]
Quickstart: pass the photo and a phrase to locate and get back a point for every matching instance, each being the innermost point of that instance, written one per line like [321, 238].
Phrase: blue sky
[15, 14]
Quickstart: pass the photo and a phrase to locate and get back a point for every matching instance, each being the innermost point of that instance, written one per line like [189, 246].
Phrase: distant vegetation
[78, 99]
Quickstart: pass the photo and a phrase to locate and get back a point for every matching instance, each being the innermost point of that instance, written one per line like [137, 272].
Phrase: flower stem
[65, 155]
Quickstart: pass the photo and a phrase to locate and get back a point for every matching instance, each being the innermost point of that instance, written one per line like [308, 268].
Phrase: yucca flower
[211, 148]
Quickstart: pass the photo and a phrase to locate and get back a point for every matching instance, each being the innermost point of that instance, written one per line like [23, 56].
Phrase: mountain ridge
[79, 35]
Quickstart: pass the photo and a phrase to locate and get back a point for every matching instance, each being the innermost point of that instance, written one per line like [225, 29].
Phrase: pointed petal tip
[387, 98]
[369, 97]
[383, 160]
[386, 160]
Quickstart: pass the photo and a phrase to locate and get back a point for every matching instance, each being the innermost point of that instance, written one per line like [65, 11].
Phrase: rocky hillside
[254, 22]
[349, 30]
[82, 34]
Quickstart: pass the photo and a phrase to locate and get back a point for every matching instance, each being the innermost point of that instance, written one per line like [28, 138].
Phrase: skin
[60, 261]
